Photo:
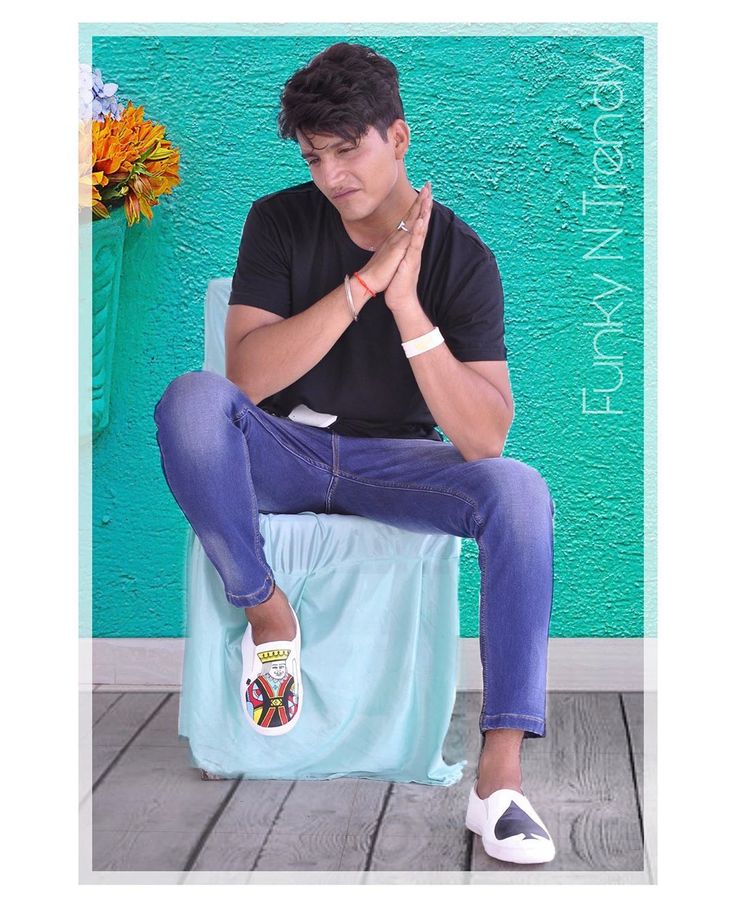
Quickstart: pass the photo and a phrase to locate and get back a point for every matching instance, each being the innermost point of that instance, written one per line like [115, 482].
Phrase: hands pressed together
[394, 267]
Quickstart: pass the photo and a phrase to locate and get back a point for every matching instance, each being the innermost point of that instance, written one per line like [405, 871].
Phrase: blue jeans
[225, 460]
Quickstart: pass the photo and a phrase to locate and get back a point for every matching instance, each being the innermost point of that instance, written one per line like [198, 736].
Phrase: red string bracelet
[356, 275]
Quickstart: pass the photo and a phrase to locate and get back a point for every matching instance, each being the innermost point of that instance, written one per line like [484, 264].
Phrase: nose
[333, 173]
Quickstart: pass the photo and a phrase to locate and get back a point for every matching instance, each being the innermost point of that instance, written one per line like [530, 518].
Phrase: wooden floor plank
[573, 717]
[317, 818]
[633, 709]
[102, 703]
[328, 818]
[236, 840]
[579, 779]
[309, 853]
[459, 743]
[634, 713]
[423, 827]
[152, 808]
[317, 808]
[153, 812]
[125, 717]
[633, 703]
[317, 825]
[369, 798]
[117, 725]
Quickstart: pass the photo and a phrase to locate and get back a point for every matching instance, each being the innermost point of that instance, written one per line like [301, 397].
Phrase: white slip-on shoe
[509, 827]
[271, 692]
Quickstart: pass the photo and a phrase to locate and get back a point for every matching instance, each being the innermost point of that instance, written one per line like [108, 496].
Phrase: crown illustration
[276, 654]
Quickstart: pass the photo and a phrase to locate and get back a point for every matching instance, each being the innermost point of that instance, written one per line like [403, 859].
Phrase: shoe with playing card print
[271, 684]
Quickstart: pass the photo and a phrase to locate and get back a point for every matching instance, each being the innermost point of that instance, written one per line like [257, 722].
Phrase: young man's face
[366, 172]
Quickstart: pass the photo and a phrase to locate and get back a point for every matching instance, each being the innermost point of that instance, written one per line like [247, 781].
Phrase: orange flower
[128, 161]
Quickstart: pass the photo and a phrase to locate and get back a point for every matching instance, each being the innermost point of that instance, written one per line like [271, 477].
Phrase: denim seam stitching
[270, 580]
[335, 466]
[256, 528]
[482, 561]
[511, 714]
[483, 564]
[251, 411]
[415, 489]
[552, 587]
[166, 477]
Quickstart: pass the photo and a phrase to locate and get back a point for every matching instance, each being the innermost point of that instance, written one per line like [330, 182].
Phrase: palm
[403, 285]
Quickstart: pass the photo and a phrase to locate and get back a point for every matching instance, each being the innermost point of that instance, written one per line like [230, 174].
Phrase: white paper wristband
[423, 343]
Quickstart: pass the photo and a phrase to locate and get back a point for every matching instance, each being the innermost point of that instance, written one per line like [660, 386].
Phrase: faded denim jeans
[225, 460]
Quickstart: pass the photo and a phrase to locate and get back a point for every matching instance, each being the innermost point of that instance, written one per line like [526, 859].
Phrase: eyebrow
[331, 146]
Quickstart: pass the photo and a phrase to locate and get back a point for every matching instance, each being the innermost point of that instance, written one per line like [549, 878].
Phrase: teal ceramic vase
[108, 240]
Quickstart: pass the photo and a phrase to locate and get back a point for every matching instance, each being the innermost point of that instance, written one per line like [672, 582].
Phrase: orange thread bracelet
[356, 275]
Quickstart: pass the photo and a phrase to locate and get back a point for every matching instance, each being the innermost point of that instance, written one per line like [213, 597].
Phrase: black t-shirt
[294, 250]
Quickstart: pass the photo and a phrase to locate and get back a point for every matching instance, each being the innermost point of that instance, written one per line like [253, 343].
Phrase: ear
[400, 134]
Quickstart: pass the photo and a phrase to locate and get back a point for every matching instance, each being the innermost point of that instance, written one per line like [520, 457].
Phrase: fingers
[416, 243]
[419, 231]
[427, 206]
[422, 208]
[416, 208]
[413, 252]
[408, 245]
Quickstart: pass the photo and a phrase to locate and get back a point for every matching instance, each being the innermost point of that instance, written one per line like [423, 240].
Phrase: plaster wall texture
[506, 129]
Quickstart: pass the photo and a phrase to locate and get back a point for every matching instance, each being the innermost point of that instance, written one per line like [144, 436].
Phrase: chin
[358, 213]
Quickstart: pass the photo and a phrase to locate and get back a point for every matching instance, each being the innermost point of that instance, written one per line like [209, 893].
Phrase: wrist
[359, 292]
[353, 295]
[371, 280]
[408, 302]
[411, 320]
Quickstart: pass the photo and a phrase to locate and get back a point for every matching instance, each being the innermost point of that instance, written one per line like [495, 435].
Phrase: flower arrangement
[124, 160]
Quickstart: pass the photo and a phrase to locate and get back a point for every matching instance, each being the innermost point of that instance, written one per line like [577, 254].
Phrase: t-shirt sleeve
[262, 272]
[472, 321]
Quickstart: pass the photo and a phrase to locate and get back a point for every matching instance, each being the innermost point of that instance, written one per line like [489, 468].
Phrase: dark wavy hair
[344, 91]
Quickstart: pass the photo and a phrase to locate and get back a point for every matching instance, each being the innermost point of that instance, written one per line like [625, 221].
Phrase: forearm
[470, 410]
[272, 357]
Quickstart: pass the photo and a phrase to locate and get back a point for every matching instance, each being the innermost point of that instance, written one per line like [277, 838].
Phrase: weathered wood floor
[152, 811]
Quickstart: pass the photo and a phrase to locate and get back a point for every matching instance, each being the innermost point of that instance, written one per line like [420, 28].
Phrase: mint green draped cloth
[378, 611]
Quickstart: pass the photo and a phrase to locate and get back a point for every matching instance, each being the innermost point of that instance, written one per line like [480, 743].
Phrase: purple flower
[97, 99]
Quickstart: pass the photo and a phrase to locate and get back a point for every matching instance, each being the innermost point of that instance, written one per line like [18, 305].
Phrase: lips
[344, 194]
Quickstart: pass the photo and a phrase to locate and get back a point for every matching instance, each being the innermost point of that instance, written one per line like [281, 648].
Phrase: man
[368, 313]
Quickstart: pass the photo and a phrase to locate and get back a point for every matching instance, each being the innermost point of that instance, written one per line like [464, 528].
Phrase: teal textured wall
[504, 127]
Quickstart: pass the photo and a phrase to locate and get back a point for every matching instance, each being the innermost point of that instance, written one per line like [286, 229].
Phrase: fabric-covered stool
[377, 607]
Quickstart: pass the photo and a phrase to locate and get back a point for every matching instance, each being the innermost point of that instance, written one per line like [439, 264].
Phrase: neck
[370, 232]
